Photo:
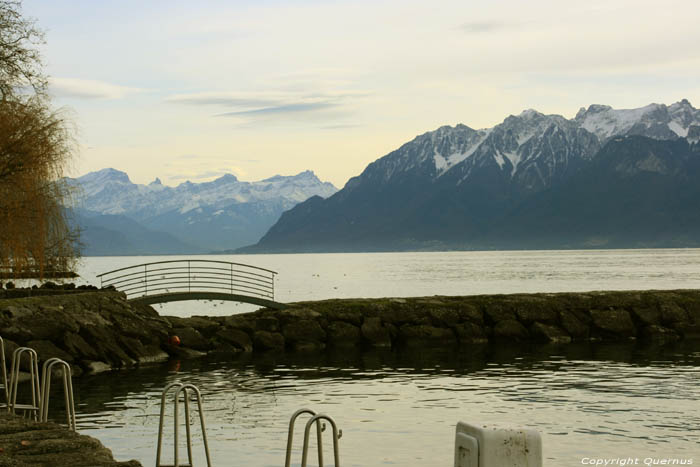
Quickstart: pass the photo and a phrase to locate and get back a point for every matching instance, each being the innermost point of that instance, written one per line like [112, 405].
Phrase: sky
[193, 90]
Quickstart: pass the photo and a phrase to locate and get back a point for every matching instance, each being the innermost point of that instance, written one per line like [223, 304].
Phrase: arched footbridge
[194, 279]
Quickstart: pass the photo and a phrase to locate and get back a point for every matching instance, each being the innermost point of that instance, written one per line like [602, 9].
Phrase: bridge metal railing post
[145, 278]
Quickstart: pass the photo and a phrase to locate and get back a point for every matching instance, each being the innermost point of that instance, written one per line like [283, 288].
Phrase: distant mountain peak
[656, 121]
[306, 174]
[530, 113]
[110, 174]
[226, 178]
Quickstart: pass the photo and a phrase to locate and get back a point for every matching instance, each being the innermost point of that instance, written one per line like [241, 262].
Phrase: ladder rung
[22, 407]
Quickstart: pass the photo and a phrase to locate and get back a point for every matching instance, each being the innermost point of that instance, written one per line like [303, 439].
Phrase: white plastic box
[497, 446]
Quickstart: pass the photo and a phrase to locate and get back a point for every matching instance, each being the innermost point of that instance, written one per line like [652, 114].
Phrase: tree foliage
[35, 146]
[20, 61]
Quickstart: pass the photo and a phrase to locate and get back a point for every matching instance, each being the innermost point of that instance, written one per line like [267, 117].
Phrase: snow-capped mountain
[533, 148]
[110, 191]
[222, 214]
[452, 186]
[656, 121]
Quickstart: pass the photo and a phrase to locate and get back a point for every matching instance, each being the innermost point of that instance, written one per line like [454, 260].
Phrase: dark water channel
[400, 408]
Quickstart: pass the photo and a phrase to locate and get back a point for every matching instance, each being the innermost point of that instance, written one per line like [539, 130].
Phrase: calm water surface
[401, 408]
[350, 275]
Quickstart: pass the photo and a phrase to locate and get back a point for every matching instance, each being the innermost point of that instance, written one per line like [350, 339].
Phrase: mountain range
[605, 178]
[118, 217]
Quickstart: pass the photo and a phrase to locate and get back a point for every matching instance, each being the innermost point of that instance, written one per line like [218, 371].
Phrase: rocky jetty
[97, 331]
[658, 316]
[93, 331]
[24, 442]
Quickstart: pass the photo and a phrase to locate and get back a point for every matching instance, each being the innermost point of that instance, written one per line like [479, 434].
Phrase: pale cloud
[264, 99]
[89, 89]
[201, 168]
[271, 104]
[225, 99]
[282, 109]
[208, 175]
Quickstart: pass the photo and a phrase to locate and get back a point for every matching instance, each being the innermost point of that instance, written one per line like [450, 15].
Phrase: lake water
[400, 408]
[352, 275]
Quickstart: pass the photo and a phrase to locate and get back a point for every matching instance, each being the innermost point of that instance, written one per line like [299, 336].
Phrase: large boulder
[236, 337]
[510, 329]
[613, 322]
[304, 334]
[375, 333]
[341, 333]
[266, 340]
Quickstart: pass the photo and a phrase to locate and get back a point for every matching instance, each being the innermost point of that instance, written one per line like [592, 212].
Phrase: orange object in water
[174, 340]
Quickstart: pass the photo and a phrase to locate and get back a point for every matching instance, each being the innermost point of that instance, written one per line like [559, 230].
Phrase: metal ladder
[34, 407]
[320, 427]
[67, 391]
[181, 388]
[5, 386]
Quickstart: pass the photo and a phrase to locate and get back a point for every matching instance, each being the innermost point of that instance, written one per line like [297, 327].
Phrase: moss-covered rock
[614, 321]
[304, 334]
[27, 443]
[423, 334]
[266, 340]
[510, 329]
[341, 333]
[236, 337]
[375, 333]
[549, 333]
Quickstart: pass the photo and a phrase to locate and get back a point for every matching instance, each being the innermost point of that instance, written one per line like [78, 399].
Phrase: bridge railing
[191, 275]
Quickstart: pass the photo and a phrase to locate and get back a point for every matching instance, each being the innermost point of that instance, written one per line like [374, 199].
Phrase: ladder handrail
[290, 436]
[336, 436]
[184, 389]
[34, 380]
[67, 391]
[5, 385]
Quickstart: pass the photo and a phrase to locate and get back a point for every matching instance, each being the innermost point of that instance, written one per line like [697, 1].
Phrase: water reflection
[400, 408]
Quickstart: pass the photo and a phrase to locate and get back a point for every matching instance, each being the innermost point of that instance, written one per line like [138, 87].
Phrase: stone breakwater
[24, 442]
[92, 331]
[96, 331]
